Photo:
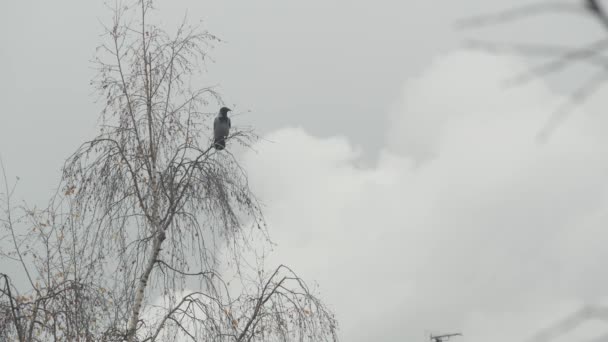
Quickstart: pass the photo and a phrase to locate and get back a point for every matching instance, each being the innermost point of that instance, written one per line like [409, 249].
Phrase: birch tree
[152, 211]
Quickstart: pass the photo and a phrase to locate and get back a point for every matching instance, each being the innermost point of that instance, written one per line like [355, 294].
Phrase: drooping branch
[279, 307]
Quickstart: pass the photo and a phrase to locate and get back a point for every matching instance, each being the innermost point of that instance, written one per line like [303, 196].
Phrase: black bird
[221, 128]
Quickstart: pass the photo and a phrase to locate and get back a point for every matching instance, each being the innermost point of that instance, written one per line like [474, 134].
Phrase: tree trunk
[143, 282]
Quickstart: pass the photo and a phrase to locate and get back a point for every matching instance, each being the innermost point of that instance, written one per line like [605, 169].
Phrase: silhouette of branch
[513, 14]
[561, 62]
[534, 50]
[560, 58]
[578, 97]
[570, 323]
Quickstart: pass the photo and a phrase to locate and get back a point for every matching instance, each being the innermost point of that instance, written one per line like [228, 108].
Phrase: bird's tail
[219, 143]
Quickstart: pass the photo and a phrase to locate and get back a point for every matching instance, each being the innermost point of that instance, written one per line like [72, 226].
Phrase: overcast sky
[415, 192]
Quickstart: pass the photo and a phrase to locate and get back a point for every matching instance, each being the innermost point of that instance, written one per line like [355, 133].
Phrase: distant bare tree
[148, 209]
[558, 57]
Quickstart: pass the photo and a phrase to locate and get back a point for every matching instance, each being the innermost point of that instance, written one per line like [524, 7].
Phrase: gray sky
[416, 195]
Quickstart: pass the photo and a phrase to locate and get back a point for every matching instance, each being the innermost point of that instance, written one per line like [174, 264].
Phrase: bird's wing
[229, 123]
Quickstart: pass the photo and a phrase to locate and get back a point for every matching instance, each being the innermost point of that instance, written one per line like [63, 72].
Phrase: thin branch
[513, 14]
[590, 87]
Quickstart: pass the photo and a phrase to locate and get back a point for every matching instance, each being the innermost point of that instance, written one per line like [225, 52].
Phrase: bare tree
[148, 209]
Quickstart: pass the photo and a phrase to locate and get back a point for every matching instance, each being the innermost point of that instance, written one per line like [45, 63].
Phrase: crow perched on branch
[221, 128]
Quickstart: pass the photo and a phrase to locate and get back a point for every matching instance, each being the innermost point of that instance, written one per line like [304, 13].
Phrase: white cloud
[464, 223]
